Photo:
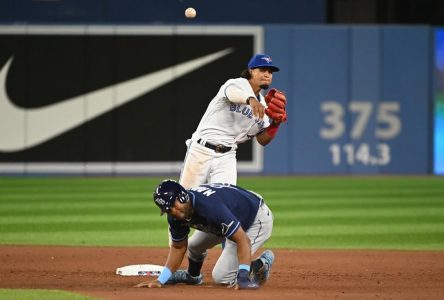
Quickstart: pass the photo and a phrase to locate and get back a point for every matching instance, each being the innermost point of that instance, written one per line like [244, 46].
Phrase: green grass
[310, 212]
[28, 294]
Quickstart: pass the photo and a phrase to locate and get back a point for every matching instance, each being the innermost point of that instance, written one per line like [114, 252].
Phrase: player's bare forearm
[263, 138]
[176, 254]
[243, 247]
[257, 108]
[269, 133]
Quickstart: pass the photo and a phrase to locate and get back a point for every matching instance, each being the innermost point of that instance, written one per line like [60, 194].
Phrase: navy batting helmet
[167, 192]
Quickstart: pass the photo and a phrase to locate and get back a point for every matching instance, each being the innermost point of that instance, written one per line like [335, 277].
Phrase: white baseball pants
[203, 165]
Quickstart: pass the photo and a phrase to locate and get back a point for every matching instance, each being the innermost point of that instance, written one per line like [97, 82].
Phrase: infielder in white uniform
[236, 114]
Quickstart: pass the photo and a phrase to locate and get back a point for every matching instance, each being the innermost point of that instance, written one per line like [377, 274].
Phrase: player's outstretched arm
[175, 257]
[236, 95]
[257, 107]
[176, 254]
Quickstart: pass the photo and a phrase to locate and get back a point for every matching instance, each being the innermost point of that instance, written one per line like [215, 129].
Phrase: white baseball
[190, 13]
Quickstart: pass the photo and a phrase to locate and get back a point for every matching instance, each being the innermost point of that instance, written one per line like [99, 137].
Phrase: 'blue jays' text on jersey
[219, 209]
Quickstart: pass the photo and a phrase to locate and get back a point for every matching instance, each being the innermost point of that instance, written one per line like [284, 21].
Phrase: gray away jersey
[219, 209]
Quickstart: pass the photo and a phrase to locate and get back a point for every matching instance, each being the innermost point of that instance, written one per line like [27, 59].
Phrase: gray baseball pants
[225, 270]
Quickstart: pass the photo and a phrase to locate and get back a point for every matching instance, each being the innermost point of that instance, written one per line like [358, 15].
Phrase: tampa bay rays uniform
[219, 210]
[211, 154]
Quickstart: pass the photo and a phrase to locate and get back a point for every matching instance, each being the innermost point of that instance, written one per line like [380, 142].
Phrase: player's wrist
[164, 275]
[275, 123]
[272, 129]
[244, 267]
[248, 100]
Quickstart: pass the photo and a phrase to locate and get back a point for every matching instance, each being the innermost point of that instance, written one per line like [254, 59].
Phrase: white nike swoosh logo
[22, 128]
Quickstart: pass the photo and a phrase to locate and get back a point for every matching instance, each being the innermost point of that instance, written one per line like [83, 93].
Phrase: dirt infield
[295, 274]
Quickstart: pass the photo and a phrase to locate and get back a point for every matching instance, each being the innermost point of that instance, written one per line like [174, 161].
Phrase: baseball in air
[190, 13]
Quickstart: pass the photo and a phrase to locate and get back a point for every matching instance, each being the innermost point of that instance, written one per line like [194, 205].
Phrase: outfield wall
[360, 97]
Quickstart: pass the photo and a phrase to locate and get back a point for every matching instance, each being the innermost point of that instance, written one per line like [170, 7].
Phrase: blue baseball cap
[262, 61]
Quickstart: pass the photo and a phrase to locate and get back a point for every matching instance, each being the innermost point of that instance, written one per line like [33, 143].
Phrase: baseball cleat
[182, 276]
[261, 267]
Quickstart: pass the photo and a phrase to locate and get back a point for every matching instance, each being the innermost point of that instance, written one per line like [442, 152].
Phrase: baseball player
[216, 211]
[236, 114]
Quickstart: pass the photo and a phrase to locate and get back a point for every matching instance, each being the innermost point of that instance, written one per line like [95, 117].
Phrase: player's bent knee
[223, 278]
[217, 278]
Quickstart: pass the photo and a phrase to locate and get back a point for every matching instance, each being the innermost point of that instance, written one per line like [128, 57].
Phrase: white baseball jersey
[228, 123]
[225, 123]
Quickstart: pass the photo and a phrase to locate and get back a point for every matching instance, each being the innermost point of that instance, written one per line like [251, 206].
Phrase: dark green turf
[37, 294]
[310, 212]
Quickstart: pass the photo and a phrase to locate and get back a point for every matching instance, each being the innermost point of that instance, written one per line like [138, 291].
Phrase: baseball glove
[276, 103]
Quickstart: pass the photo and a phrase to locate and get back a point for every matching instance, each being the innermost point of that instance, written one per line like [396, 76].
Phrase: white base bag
[140, 270]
